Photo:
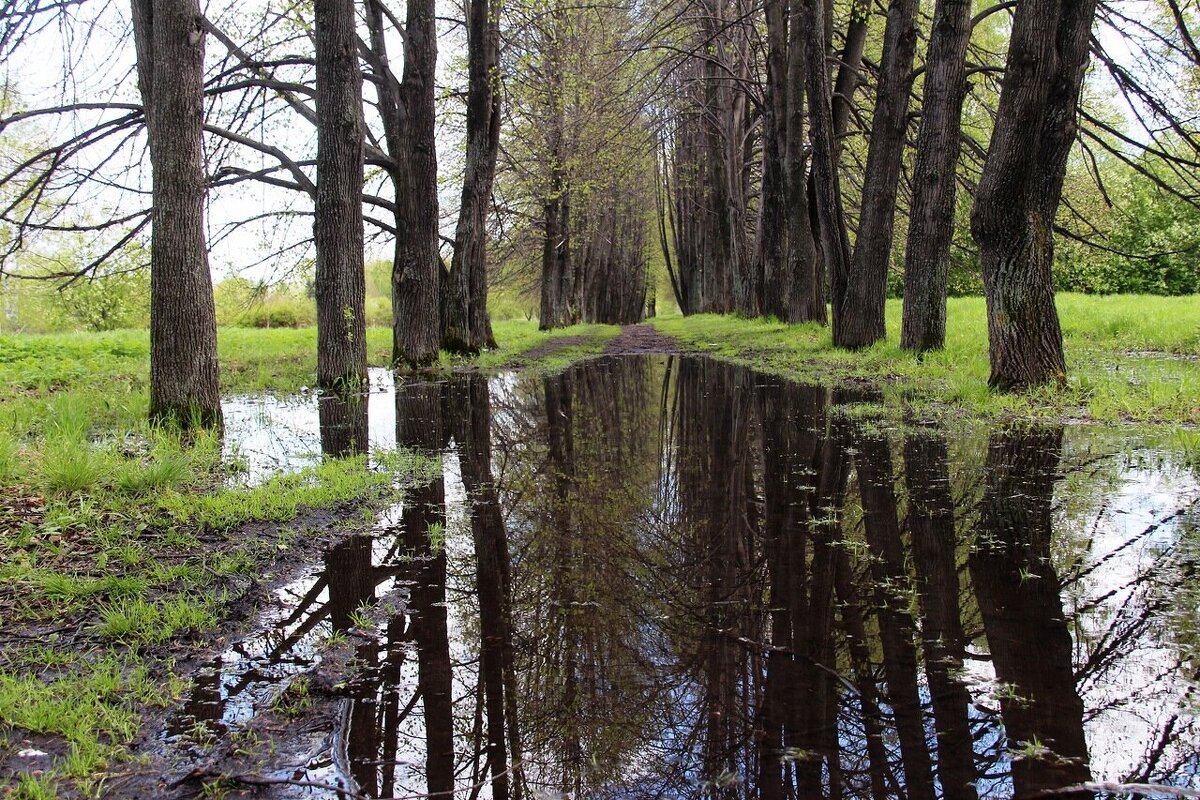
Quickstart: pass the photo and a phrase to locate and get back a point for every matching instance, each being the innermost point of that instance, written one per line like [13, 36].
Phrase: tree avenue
[797, 159]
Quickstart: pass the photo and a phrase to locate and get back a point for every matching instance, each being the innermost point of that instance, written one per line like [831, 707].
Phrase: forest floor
[128, 554]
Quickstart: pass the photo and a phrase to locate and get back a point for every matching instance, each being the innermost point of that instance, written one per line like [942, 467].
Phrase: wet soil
[641, 339]
[549, 348]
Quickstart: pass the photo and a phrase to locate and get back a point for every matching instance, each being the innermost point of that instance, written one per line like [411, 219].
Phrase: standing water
[656, 576]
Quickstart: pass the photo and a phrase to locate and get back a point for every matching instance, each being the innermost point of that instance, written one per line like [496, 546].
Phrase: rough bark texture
[468, 329]
[791, 283]
[931, 216]
[338, 228]
[832, 238]
[416, 276]
[858, 314]
[558, 278]
[1018, 194]
[184, 375]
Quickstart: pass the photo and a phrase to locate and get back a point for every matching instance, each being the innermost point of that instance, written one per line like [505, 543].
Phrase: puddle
[668, 577]
[267, 434]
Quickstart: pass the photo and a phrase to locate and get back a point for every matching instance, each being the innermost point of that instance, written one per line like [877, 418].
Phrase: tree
[468, 327]
[858, 311]
[787, 266]
[931, 216]
[338, 227]
[1019, 192]
[184, 375]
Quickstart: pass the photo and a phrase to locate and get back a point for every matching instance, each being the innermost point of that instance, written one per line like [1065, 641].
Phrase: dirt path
[641, 339]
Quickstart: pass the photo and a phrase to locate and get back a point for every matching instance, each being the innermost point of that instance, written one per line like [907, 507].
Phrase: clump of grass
[140, 622]
[166, 468]
[72, 467]
[95, 707]
[9, 457]
[71, 587]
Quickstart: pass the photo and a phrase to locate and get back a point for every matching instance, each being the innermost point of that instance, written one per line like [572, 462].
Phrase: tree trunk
[558, 285]
[772, 235]
[826, 195]
[931, 216]
[184, 376]
[468, 327]
[338, 228]
[858, 315]
[1019, 191]
[416, 275]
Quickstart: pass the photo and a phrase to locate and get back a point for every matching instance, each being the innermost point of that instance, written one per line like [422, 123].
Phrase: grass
[122, 545]
[1130, 359]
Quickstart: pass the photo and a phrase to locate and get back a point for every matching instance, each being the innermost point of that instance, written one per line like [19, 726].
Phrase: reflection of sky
[268, 433]
[1132, 695]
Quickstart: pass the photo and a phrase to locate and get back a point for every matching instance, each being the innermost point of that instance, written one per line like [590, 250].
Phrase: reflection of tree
[931, 527]
[1019, 596]
[893, 591]
[375, 728]
[586, 689]
[718, 517]
[470, 413]
[803, 483]
[343, 423]
[420, 424]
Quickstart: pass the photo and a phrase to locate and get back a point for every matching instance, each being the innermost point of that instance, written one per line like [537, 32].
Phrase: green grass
[126, 540]
[1129, 359]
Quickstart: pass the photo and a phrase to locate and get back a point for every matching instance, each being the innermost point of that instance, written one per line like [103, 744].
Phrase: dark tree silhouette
[1020, 600]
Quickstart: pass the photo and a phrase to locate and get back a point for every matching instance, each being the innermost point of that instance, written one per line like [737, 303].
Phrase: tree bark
[1019, 191]
[858, 315]
[468, 329]
[832, 238]
[184, 375]
[558, 284]
[338, 227]
[931, 216]
[416, 276]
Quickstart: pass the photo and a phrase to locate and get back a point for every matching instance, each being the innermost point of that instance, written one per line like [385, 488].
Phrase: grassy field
[124, 548]
[1129, 359]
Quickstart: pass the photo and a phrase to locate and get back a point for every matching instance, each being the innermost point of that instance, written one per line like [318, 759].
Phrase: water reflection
[676, 578]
